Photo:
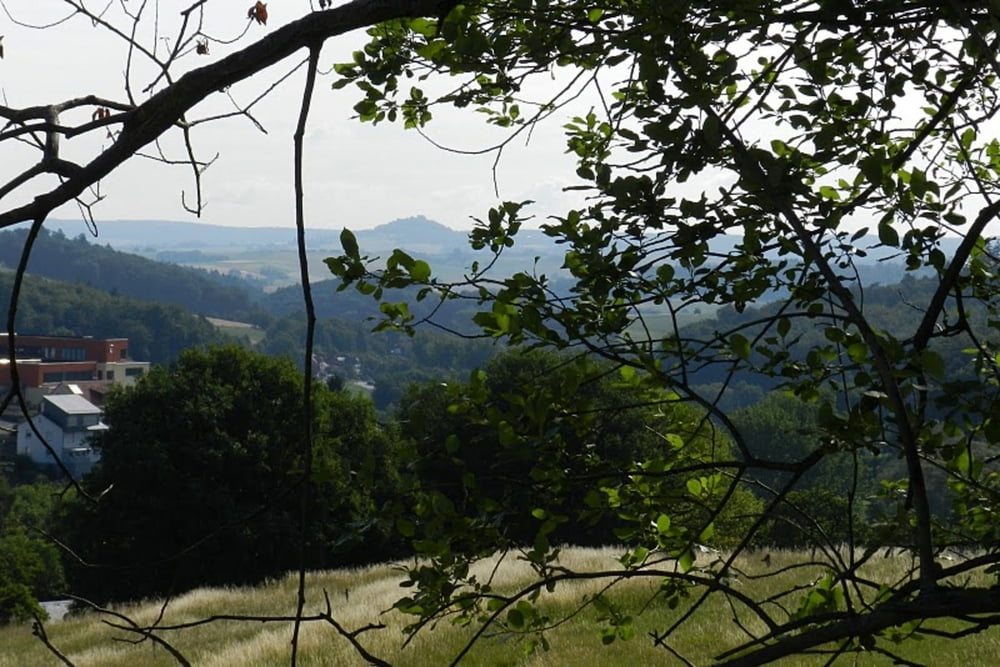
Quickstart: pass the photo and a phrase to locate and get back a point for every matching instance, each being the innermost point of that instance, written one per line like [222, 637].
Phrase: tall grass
[360, 597]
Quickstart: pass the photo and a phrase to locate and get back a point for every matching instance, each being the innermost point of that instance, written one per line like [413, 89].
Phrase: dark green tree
[199, 477]
[831, 499]
[30, 568]
[516, 465]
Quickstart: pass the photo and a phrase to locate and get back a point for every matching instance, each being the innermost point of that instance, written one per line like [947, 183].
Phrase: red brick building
[44, 362]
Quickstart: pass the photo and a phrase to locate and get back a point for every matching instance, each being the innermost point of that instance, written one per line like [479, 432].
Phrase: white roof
[72, 404]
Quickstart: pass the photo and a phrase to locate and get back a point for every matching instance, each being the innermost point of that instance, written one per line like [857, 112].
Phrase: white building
[66, 422]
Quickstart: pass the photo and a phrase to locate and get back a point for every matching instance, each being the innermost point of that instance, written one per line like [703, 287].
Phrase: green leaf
[963, 461]
[405, 528]
[991, 429]
[424, 27]
[932, 363]
[685, 561]
[628, 374]
[888, 235]
[349, 243]
[829, 192]
[784, 326]
[740, 346]
[872, 167]
[713, 137]
[420, 271]
[968, 137]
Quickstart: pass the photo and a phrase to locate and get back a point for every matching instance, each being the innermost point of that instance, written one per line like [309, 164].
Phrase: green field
[238, 331]
[362, 596]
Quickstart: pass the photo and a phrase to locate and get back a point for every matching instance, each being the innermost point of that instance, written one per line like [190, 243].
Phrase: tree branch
[152, 118]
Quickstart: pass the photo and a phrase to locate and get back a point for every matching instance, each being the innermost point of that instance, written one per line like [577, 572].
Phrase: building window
[67, 376]
[73, 354]
[111, 375]
[133, 372]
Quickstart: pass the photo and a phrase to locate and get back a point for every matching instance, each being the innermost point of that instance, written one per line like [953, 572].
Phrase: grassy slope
[359, 597]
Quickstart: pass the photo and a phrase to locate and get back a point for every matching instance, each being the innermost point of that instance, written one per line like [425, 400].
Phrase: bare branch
[168, 106]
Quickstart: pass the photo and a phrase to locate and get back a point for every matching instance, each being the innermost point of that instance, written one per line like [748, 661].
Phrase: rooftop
[72, 404]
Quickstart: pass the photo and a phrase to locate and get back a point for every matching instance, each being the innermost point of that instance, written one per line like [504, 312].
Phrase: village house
[63, 380]
[66, 423]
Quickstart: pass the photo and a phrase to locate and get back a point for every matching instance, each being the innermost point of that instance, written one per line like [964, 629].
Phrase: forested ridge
[77, 260]
[896, 307]
[98, 279]
[157, 332]
[91, 302]
[89, 290]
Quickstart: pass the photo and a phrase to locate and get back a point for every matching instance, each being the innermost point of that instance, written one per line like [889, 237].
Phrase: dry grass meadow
[363, 596]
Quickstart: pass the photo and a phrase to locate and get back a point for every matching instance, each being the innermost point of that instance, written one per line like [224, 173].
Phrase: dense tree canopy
[795, 127]
[198, 478]
[477, 449]
[30, 568]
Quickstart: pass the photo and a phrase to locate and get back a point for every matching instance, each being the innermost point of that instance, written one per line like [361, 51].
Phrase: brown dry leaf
[258, 13]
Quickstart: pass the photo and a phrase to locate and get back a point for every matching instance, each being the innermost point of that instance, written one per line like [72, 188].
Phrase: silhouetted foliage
[475, 449]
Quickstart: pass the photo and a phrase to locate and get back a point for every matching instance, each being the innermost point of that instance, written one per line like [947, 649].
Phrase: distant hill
[154, 235]
[269, 256]
[75, 260]
[415, 234]
[351, 306]
[151, 236]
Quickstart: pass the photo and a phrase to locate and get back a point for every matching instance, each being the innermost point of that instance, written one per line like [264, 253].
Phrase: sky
[357, 175]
